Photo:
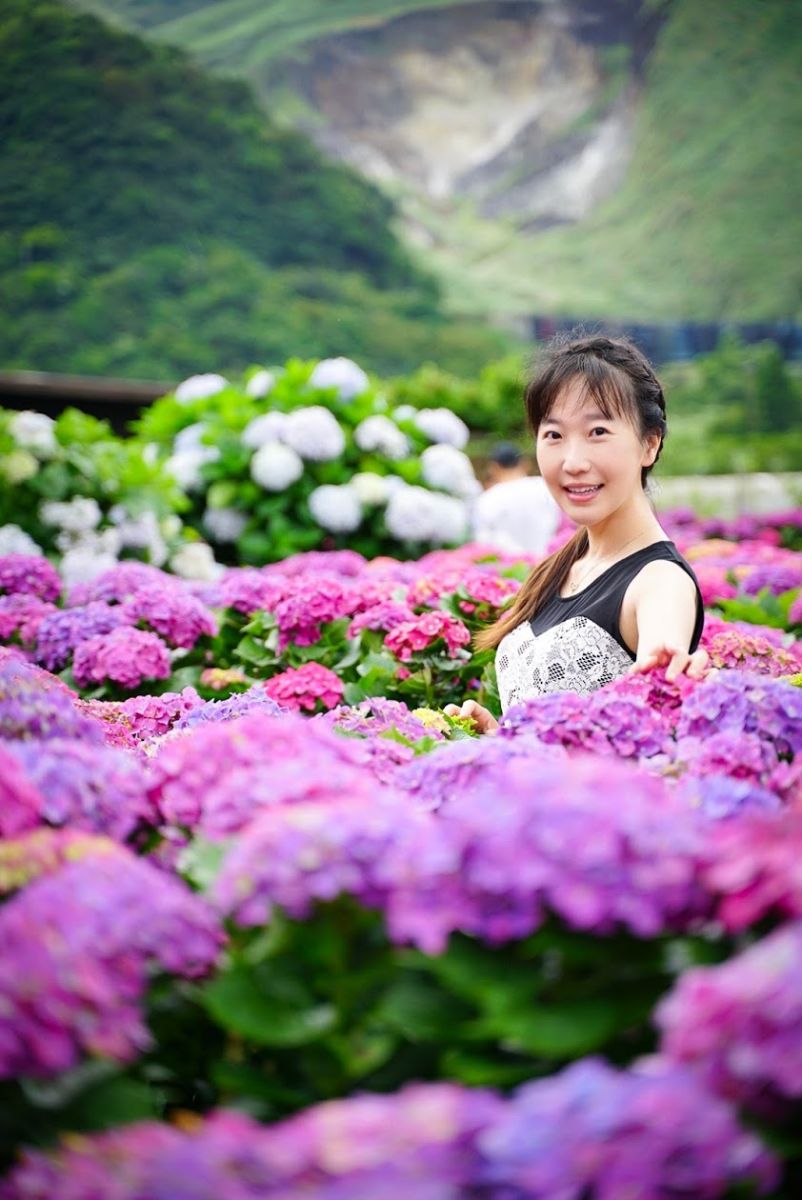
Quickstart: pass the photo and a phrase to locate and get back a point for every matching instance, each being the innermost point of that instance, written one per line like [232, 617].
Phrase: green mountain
[153, 221]
[700, 218]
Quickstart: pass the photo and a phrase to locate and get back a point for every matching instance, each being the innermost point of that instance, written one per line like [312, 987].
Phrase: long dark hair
[620, 379]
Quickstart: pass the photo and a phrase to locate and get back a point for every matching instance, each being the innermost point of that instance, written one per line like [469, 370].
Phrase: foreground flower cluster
[245, 864]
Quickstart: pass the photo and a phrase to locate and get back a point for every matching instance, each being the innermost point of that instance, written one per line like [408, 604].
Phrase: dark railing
[678, 340]
[115, 400]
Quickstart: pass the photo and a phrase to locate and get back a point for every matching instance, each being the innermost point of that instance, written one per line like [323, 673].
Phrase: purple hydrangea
[125, 657]
[66, 628]
[738, 1024]
[719, 796]
[76, 949]
[248, 590]
[777, 578]
[93, 788]
[119, 583]
[652, 1132]
[218, 776]
[172, 612]
[376, 716]
[42, 851]
[34, 704]
[751, 867]
[232, 708]
[738, 703]
[20, 800]
[30, 575]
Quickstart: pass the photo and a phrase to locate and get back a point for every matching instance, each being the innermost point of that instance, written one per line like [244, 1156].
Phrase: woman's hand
[482, 718]
[676, 662]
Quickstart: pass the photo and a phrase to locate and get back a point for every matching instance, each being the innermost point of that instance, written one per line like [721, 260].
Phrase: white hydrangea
[342, 374]
[394, 483]
[224, 524]
[186, 467]
[380, 434]
[314, 433]
[83, 563]
[141, 532]
[190, 438]
[404, 412]
[14, 540]
[371, 488]
[442, 425]
[195, 560]
[77, 516]
[336, 507]
[34, 431]
[260, 384]
[274, 466]
[269, 427]
[445, 467]
[199, 387]
[416, 515]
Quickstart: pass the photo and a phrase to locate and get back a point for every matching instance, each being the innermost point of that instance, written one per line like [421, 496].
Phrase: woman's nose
[575, 459]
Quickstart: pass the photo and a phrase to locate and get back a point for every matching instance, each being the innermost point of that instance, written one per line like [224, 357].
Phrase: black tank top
[574, 643]
[601, 600]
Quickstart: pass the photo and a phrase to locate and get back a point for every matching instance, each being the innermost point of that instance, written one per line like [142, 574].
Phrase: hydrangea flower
[305, 688]
[308, 603]
[224, 525]
[336, 507]
[419, 634]
[255, 699]
[220, 775]
[20, 799]
[125, 657]
[93, 788]
[275, 466]
[191, 437]
[445, 467]
[652, 1131]
[153, 716]
[416, 515]
[34, 431]
[195, 561]
[739, 702]
[340, 373]
[181, 619]
[751, 867]
[34, 704]
[314, 433]
[78, 946]
[260, 384]
[442, 425]
[371, 489]
[380, 435]
[755, 649]
[186, 466]
[776, 577]
[386, 615]
[14, 540]
[738, 1023]
[268, 427]
[248, 590]
[43, 852]
[65, 629]
[78, 515]
[26, 575]
[21, 616]
[199, 387]
[118, 583]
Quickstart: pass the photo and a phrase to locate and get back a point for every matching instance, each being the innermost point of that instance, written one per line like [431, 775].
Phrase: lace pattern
[575, 656]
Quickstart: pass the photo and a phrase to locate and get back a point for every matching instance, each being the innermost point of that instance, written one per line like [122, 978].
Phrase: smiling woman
[618, 596]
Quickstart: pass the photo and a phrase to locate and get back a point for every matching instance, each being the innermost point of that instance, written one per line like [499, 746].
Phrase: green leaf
[420, 1010]
[568, 1029]
[266, 1008]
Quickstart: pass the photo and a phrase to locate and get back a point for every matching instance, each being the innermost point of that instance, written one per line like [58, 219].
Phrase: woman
[618, 597]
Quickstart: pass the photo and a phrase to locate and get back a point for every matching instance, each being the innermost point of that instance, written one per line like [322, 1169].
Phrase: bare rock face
[514, 105]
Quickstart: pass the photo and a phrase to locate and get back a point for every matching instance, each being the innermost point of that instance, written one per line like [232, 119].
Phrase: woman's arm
[665, 601]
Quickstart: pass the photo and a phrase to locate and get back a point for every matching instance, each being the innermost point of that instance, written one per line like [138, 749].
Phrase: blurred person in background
[516, 512]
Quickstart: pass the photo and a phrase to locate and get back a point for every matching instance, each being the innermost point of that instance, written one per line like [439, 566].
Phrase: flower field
[274, 926]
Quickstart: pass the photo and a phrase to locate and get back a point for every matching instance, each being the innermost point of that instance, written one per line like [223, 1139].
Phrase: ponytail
[541, 584]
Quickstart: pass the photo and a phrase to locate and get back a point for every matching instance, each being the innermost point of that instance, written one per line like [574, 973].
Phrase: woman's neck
[624, 532]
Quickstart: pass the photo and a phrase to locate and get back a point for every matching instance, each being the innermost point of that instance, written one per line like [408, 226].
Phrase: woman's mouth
[585, 492]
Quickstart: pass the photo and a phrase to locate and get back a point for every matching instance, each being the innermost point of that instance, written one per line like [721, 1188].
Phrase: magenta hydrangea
[21, 616]
[413, 637]
[125, 657]
[738, 1024]
[775, 577]
[248, 590]
[77, 948]
[87, 787]
[20, 799]
[65, 629]
[35, 704]
[30, 575]
[751, 866]
[308, 603]
[305, 689]
[386, 615]
[651, 1132]
[172, 612]
[118, 583]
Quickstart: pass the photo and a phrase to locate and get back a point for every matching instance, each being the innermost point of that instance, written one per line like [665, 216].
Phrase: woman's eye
[600, 430]
[550, 435]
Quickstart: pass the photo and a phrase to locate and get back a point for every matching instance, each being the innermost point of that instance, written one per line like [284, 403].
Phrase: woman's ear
[651, 448]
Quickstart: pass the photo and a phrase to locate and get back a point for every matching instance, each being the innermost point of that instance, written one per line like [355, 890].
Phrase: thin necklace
[572, 588]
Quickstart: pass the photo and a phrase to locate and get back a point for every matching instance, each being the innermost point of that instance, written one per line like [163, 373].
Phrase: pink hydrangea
[385, 615]
[21, 614]
[125, 657]
[310, 602]
[248, 590]
[308, 688]
[30, 575]
[172, 612]
[412, 637]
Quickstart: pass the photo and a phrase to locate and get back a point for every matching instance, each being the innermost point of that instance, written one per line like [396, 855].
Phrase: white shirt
[516, 515]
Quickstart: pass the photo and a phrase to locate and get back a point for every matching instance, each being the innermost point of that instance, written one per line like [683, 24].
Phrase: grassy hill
[153, 221]
[707, 223]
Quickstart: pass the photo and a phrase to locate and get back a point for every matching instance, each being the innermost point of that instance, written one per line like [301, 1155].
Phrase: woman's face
[591, 463]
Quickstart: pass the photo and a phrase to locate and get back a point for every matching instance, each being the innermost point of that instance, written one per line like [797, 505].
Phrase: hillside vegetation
[153, 221]
[707, 222]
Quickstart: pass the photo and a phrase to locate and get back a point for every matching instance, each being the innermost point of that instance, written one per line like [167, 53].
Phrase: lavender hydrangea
[77, 948]
[30, 575]
[653, 1132]
[738, 703]
[232, 708]
[118, 583]
[21, 616]
[125, 657]
[34, 704]
[65, 629]
[738, 1023]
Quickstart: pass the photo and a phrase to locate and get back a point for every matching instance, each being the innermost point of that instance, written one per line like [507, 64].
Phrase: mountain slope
[700, 219]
